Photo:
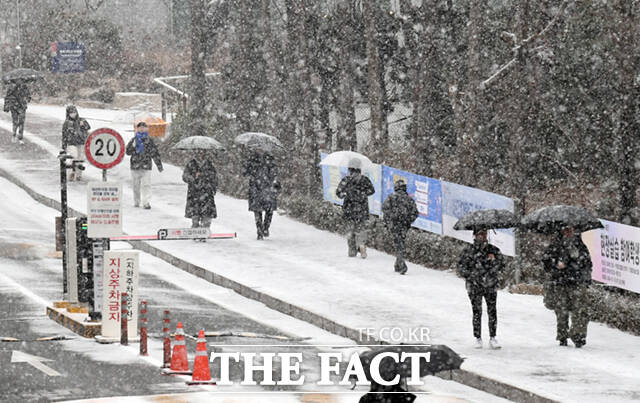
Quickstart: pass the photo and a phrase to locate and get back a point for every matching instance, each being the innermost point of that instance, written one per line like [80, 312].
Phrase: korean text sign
[615, 254]
[104, 209]
[120, 270]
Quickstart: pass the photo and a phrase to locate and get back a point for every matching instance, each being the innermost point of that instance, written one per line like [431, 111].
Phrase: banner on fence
[615, 254]
[331, 177]
[427, 192]
[459, 200]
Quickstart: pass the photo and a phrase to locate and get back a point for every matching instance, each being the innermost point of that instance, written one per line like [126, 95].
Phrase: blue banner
[460, 200]
[331, 177]
[427, 192]
[67, 57]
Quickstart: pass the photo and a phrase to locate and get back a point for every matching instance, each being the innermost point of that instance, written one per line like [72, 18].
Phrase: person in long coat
[15, 101]
[399, 211]
[143, 151]
[200, 174]
[264, 188]
[480, 264]
[568, 266]
[355, 190]
[74, 134]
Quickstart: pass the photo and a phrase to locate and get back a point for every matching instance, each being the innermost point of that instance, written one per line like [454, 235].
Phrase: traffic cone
[201, 372]
[179, 361]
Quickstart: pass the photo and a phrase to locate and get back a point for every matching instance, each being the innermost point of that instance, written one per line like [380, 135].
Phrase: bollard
[143, 328]
[166, 362]
[124, 313]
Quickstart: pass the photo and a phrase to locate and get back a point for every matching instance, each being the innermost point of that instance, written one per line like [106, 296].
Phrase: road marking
[34, 361]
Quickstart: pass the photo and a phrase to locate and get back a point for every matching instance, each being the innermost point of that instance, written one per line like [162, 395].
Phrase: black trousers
[490, 296]
[263, 225]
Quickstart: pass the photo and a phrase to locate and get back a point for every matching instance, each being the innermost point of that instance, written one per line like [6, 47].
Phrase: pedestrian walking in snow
[201, 176]
[15, 101]
[568, 266]
[142, 150]
[355, 190]
[264, 187]
[480, 264]
[388, 393]
[399, 211]
[75, 131]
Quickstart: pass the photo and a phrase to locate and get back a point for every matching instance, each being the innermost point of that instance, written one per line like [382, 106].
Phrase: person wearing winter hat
[142, 150]
[355, 190]
[399, 211]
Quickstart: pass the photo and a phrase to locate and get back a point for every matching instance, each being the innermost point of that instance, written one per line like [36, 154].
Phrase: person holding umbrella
[142, 150]
[200, 174]
[74, 133]
[480, 264]
[355, 189]
[264, 187]
[15, 101]
[567, 266]
[399, 211]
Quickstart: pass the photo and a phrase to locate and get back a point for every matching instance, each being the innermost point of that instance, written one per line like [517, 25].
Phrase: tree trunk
[198, 96]
[377, 144]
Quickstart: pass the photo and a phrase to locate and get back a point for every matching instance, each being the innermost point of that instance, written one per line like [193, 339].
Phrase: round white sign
[104, 148]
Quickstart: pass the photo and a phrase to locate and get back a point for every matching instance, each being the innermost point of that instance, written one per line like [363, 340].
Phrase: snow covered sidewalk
[309, 268]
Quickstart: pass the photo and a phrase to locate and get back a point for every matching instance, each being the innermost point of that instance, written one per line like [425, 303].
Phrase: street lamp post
[19, 46]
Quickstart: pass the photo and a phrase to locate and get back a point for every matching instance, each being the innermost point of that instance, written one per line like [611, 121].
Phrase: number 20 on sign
[104, 148]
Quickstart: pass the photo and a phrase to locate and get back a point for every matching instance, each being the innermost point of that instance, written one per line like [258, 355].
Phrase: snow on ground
[34, 218]
[309, 268]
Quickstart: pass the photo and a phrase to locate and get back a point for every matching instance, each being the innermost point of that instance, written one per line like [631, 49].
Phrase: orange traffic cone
[179, 362]
[201, 371]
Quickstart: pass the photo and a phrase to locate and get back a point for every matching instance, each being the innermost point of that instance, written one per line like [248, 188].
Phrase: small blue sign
[67, 57]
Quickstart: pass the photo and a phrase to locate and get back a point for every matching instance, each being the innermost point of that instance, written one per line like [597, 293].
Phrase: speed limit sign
[104, 148]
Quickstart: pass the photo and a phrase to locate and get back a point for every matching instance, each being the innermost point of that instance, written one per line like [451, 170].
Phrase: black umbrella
[21, 75]
[442, 358]
[487, 219]
[553, 218]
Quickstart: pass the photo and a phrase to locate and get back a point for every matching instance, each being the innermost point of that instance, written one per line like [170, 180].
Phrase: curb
[88, 330]
[468, 378]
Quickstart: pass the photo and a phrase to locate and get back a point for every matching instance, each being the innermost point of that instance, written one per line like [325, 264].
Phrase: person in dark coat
[480, 264]
[15, 101]
[568, 266]
[75, 131]
[355, 189]
[399, 212]
[263, 190]
[202, 178]
[142, 150]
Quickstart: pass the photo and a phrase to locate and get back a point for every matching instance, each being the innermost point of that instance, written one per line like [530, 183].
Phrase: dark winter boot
[403, 267]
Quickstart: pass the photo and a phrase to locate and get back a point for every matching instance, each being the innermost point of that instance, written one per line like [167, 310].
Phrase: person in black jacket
[399, 211]
[263, 190]
[142, 150]
[15, 101]
[480, 264]
[75, 131]
[568, 266]
[202, 178]
[355, 189]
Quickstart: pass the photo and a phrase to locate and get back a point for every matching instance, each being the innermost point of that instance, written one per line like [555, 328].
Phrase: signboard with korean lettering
[615, 254]
[104, 210]
[67, 57]
[120, 270]
[427, 193]
[458, 200]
